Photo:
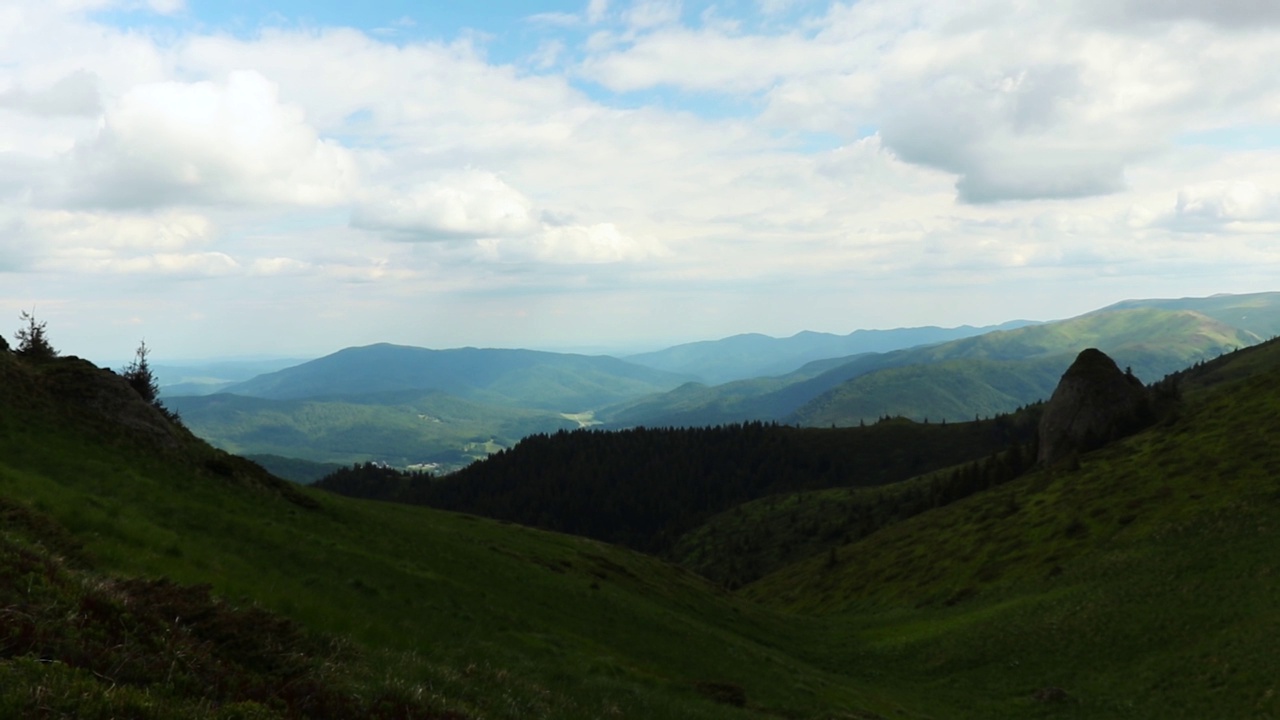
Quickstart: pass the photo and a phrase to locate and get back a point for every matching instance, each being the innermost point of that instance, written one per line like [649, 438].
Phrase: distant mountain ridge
[986, 374]
[208, 377]
[526, 378]
[152, 576]
[369, 403]
[1252, 312]
[753, 355]
[403, 428]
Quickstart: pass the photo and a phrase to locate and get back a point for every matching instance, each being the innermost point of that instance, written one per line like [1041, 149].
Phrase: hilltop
[523, 378]
[983, 375]
[443, 409]
[413, 406]
[1136, 580]
[380, 603]
[752, 355]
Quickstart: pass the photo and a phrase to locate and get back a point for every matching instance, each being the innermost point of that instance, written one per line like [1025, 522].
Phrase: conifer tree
[140, 377]
[33, 339]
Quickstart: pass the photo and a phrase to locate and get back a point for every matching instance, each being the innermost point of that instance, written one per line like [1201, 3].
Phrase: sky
[234, 178]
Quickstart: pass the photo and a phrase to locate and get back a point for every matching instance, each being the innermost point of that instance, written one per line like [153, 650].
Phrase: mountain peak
[1094, 403]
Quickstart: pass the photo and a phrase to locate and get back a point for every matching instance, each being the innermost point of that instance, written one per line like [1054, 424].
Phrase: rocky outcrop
[1094, 403]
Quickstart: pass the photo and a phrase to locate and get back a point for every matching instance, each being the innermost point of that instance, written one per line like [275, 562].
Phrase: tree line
[647, 487]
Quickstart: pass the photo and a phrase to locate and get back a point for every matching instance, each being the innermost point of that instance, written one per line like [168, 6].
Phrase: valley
[447, 408]
[639, 360]
[893, 569]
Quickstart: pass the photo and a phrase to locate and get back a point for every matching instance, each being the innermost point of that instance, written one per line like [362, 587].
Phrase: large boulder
[1094, 403]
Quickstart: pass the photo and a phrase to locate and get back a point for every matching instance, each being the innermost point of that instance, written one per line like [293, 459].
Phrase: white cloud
[1231, 14]
[1092, 155]
[209, 143]
[277, 266]
[645, 14]
[775, 7]
[167, 7]
[167, 243]
[1225, 204]
[548, 54]
[1018, 102]
[602, 243]
[506, 225]
[80, 231]
[177, 265]
[74, 94]
[556, 19]
[465, 205]
[597, 10]
[698, 60]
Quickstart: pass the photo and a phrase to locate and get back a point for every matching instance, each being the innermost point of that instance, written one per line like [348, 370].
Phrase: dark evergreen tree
[33, 339]
[140, 377]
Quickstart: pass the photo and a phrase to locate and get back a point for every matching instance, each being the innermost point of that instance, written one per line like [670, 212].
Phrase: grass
[492, 620]
[1140, 584]
[987, 374]
[759, 537]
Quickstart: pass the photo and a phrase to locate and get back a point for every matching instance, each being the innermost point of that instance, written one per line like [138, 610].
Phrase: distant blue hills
[751, 355]
[405, 404]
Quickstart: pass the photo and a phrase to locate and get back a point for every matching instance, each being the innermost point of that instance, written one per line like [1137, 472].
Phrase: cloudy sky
[243, 177]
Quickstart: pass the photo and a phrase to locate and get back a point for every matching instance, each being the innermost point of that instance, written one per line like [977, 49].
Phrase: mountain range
[752, 355]
[444, 408]
[149, 575]
[982, 375]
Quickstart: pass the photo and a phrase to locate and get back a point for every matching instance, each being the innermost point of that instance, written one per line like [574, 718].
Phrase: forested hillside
[752, 355]
[401, 427]
[522, 378]
[152, 576]
[1135, 581]
[988, 374]
[646, 487]
[144, 574]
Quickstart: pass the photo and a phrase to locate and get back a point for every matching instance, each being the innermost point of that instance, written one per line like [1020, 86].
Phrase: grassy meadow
[1137, 582]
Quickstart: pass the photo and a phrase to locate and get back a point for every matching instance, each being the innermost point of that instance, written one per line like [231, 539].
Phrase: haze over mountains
[754, 355]
[211, 376]
[444, 408]
[820, 574]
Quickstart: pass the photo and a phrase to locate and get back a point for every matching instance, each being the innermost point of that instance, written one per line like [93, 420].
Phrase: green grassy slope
[1140, 584]
[76, 642]
[997, 372]
[951, 390]
[1258, 313]
[1000, 371]
[494, 620]
[299, 471]
[400, 428]
[760, 537]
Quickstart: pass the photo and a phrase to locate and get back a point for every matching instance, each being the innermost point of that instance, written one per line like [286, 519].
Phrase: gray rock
[1094, 404]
